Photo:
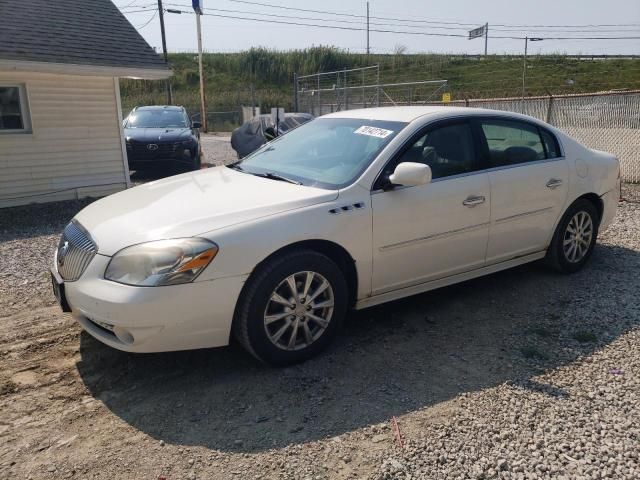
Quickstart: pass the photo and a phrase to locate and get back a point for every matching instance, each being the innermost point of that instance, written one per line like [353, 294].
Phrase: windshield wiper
[236, 166]
[275, 176]
[269, 175]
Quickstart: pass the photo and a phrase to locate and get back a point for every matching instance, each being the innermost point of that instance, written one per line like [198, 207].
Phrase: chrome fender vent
[347, 208]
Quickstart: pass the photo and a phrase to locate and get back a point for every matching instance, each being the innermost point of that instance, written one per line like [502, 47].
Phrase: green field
[230, 77]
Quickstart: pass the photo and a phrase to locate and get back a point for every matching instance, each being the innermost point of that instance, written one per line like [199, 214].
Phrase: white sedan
[350, 210]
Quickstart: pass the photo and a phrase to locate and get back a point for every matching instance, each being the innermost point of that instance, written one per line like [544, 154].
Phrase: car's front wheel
[575, 237]
[291, 308]
[196, 161]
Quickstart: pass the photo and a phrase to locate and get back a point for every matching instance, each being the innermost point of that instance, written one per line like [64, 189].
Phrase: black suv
[161, 134]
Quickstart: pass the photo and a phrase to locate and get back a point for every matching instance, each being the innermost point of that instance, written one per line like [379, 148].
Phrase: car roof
[161, 107]
[411, 113]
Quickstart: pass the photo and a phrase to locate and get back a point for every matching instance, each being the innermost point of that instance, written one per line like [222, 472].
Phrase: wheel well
[596, 201]
[335, 252]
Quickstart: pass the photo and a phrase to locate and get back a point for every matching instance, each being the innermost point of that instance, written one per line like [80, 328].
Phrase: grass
[584, 336]
[532, 353]
[266, 76]
[541, 332]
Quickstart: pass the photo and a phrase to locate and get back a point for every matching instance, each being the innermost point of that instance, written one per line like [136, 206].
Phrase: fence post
[295, 93]
[319, 104]
[377, 85]
[364, 99]
[337, 91]
[346, 89]
[549, 109]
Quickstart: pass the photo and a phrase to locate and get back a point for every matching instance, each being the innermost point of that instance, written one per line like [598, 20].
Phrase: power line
[148, 21]
[308, 18]
[377, 30]
[128, 4]
[145, 10]
[440, 22]
[372, 23]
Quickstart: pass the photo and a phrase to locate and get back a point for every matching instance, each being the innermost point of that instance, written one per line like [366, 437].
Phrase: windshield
[326, 152]
[157, 119]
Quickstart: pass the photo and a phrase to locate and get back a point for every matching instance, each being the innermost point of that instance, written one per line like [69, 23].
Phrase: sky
[506, 18]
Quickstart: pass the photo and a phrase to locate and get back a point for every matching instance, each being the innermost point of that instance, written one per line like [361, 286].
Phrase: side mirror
[196, 125]
[411, 174]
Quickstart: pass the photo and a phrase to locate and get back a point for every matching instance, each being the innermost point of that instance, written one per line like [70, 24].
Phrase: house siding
[75, 148]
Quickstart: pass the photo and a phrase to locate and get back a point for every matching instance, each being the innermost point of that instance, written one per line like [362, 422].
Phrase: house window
[14, 109]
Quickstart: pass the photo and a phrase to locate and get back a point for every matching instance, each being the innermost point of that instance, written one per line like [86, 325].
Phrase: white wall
[75, 146]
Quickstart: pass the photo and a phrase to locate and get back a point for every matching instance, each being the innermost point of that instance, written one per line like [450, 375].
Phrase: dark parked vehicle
[161, 134]
[254, 133]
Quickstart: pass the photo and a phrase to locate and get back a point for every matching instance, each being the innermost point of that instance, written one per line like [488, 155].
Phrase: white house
[60, 116]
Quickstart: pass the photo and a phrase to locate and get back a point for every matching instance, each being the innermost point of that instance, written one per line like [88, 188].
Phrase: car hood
[151, 135]
[191, 204]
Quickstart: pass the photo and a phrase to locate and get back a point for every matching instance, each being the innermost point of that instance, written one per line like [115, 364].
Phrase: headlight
[164, 262]
[188, 142]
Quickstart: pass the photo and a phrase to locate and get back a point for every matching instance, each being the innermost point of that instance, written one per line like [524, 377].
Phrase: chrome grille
[75, 252]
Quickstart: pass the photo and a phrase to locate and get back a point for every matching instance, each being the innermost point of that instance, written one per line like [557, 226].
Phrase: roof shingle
[88, 32]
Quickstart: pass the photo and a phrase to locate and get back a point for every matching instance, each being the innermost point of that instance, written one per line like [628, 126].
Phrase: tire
[561, 255]
[259, 319]
[196, 162]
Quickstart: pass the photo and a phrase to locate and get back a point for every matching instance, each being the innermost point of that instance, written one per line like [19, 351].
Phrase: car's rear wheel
[574, 238]
[291, 308]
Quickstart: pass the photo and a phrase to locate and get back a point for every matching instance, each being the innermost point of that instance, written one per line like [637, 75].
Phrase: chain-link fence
[605, 121]
[223, 120]
[347, 89]
[608, 121]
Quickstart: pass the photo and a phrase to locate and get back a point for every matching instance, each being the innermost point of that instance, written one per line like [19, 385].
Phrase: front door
[432, 231]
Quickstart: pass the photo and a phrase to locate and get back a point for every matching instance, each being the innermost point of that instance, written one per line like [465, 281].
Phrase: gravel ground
[522, 374]
[217, 149]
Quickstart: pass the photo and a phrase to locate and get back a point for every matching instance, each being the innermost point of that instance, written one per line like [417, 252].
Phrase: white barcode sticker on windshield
[373, 131]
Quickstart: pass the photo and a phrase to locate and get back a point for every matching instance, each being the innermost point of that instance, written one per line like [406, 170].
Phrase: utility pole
[367, 31]
[524, 67]
[486, 37]
[164, 49]
[524, 63]
[203, 105]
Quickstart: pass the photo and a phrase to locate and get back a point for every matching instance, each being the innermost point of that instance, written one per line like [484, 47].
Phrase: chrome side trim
[433, 237]
[525, 214]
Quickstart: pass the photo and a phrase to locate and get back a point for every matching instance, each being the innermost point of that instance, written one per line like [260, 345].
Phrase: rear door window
[550, 143]
[512, 142]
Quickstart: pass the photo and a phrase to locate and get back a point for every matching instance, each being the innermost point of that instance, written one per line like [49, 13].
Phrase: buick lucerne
[350, 210]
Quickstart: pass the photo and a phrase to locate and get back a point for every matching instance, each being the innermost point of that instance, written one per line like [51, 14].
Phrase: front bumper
[153, 319]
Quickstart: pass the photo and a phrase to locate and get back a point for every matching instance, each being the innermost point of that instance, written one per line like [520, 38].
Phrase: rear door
[528, 177]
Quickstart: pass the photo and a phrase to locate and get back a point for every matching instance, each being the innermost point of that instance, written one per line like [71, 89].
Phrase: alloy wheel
[577, 237]
[299, 310]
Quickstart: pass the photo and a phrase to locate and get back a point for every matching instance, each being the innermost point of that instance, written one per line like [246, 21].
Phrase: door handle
[473, 200]
[554, 183]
